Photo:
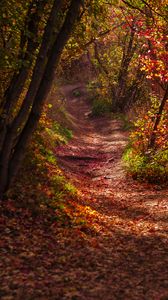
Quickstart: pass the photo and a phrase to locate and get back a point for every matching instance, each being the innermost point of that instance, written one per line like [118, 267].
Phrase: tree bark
[120, 90]
[15, 88]
[157, 121]
[15, 157]
[133, 93]
[48, 39]
[12, 129]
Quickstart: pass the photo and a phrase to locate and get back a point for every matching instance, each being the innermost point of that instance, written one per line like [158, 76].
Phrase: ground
[120, 248]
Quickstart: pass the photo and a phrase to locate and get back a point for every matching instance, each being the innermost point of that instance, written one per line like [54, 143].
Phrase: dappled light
[83, 150]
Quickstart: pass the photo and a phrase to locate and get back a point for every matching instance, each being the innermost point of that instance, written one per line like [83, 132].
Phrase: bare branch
[103, 33]
[133, 6]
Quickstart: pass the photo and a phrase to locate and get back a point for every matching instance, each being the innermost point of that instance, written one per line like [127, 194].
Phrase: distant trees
[114, 52]
[130, 49]
[152, 30]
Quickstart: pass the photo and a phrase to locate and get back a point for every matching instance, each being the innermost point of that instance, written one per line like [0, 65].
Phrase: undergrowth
[127, 124]
[100, 101]
[100, 106]
[142, 162]
[153, 168]
[41, 185]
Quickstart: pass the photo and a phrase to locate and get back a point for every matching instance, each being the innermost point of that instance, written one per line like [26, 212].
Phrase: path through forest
[129, 257]
[116, 249]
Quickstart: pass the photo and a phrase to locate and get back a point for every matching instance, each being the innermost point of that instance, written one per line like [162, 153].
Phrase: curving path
[128, 254]
[117, 248]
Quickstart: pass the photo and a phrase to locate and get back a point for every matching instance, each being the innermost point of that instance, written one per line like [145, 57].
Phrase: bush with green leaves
[143, 162]
[153, 168]
[100, 106]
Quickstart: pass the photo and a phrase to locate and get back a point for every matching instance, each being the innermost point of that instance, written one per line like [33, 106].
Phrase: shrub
[100, 106]
[141, 161]
[153, 169]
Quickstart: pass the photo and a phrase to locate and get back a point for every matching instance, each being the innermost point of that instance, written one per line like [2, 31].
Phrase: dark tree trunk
[12, 129]
[15, 88]
[121, 88]
[17, 153]
[48, 40]
[133, 93]
[157, 120]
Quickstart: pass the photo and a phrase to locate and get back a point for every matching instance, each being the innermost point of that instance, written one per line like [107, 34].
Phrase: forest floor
[118, 248]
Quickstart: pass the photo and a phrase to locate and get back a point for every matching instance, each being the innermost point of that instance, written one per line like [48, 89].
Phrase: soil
[118, 246]
[130, 257]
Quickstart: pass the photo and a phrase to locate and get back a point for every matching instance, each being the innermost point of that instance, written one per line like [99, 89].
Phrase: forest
[83, 149]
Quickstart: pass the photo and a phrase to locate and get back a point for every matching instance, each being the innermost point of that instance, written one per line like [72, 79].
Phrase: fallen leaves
[110, 243]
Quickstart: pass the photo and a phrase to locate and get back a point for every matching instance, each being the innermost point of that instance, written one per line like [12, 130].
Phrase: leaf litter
[116, 245]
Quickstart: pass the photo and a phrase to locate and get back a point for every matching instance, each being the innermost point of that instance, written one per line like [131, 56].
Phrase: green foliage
[60, 189]
[62, 186]
[153, 169]
[53, 191]
[40, 171]
[127, 123]
[76, 93]
[11, 22]
[93, 85]
[101, 106]
[58, 134]
[144, 128]
[141, 161]
[48, 154]
[55, 133]
[63, 133]
[100, 102]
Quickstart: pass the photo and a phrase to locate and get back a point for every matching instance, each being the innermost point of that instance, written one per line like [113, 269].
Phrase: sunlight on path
[129, 220]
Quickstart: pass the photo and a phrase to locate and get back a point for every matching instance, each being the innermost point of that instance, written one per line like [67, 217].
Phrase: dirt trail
[115, 246]
[128, 258]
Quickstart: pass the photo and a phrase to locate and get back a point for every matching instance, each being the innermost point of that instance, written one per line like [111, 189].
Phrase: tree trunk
[132, 93]
[12, 129]
[157, 121]
[39, 68]
[16, 156]
[15, 88]
[120, 90]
